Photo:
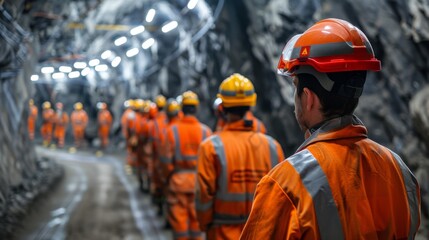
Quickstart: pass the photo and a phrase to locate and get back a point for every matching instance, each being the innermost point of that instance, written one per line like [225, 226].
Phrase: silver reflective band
[177, 140]
[203, 206]
[325, 50]
[323, 78]
[229, 219]
[317, 185]
[411, 186]
[234, 93]
[273, 152]
[222, 193]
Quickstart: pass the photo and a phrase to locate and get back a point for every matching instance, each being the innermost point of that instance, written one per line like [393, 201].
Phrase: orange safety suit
[31, 122]
[127, 123]
[140, 136]
[258, 125]
[182, 142]
[104, 123]
[124, 120]
[79, 120]
[338, 185]
[230, 164]
[61, 123]
[47, 125]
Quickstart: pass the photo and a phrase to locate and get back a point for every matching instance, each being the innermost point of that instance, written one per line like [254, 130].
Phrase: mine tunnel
[89, 90]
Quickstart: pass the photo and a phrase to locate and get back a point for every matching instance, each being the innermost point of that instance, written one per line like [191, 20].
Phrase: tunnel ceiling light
[116, 61]
[79, 65]
[150, 15]
[34, 78]
[169, 26]
[58, 76]
[191, 4]
[132, 52]
[137, 30]
[74, 74]
[106, 54]
[85, 71]
[47, 70]
[94, 62]
[148, 43]
[101, 68]
[120, 41]
[65, 69]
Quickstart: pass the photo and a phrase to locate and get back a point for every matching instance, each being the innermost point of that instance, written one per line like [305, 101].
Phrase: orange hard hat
[101, 105]
[330, 45]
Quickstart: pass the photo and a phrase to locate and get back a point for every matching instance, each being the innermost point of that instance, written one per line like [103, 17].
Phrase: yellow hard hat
[190, 98]
[129, 103]
[160, 101]
[237, 91]
[173, 108]
[147, 106]
[78, 106]
[46, 105]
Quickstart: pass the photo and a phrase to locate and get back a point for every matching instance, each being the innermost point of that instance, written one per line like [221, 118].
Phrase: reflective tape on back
[273, 152]
[317, 185]
[222, 193]
[177, 156]
[411, 186]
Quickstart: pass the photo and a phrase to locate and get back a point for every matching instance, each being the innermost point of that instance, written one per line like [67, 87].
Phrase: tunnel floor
[96, 199]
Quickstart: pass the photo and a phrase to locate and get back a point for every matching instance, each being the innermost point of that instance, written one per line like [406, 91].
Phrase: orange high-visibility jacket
[104, 122]
[183, 140]
[230, 164]
[128, 113]
[32, 118]
[61, 122]
[165, 167]
[79, 119]
[338, 185]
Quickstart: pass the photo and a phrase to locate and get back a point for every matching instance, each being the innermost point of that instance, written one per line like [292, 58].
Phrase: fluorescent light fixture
[191, 4]
[58, 76]
[85, 71]
[116, 61]
[79, 65]
[65, 69]
[94, 62]
[137, 30]
[150, 15]
[106, 54]
[132, 52]
[120, 41]
[74, 74]
[47, 70]
[148, 43]
[101, 68]
[169, 26]
[34, 78]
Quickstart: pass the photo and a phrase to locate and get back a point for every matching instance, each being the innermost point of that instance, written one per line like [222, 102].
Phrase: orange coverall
[127, 125]
[258, 125]
[230, 164]
[31, 123]
[48, 124]
[79, 120]
[104, 123]
[61, 122]
[139, 138]
[182, 142]
[124, 120]
[338, 185]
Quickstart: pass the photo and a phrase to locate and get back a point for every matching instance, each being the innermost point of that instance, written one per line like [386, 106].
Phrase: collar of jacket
[348, 126]
[189, 119]
[237, 126]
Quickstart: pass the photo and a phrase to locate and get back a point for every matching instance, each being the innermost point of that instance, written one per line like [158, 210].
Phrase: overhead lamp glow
[120, 41]
[34, 78]
[148, 43]
[116, 61]
[58, 76]
[132, 52]
[74, 74]
[150, 15]
[169, 26]
[106, 54]
[137, 30]
[94, 62]
[65, 69]
[47, 70]
[85, 71]
[79, 65]
[101, 68]
[191, 4]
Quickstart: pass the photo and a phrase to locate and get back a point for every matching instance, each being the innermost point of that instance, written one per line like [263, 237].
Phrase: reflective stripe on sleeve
[273, 152]
[203, 206]
[317, 185]
[177, 140]
[411, 186]
[228, 219]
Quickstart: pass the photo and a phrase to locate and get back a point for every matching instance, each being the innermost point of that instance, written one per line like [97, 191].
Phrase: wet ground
[96, 199]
